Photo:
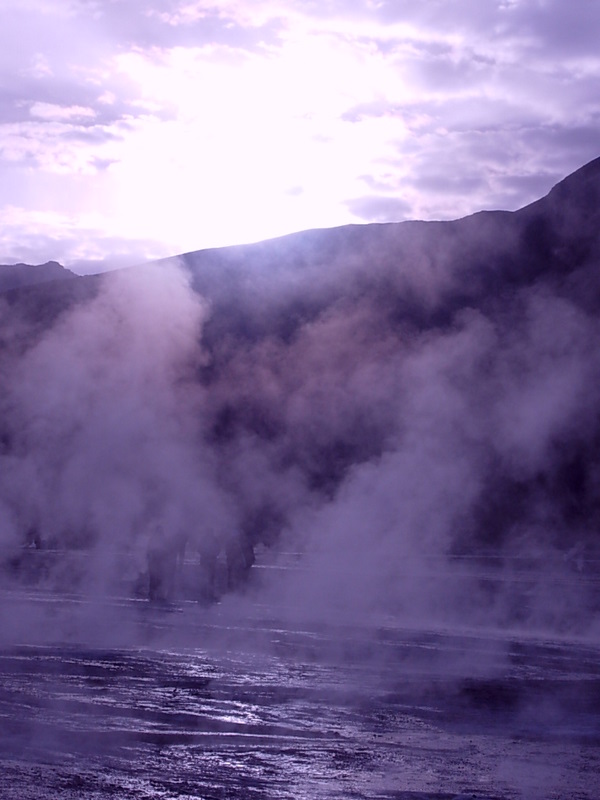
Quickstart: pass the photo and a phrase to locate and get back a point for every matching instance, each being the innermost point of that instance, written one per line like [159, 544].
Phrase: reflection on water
[264, 710]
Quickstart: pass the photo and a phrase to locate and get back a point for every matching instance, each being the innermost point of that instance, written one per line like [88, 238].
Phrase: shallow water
[208, 705]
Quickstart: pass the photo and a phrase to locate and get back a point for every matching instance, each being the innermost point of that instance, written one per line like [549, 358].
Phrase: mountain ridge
[580, 188]
[15, 276]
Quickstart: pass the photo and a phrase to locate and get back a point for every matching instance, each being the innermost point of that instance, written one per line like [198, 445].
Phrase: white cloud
[53, 111]
[40, 68]
[84, 242]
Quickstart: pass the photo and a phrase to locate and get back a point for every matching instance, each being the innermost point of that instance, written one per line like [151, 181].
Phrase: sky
[136, 129]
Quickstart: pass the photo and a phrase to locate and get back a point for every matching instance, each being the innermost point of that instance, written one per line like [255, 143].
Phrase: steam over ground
[413, 409]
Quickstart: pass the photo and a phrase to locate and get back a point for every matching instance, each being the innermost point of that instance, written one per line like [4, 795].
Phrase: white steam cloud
[415, 420]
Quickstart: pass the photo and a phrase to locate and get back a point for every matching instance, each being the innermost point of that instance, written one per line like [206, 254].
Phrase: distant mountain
[15, 276]
[372, 392]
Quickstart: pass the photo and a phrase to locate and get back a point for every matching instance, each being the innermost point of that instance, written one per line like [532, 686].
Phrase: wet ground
[208, 705]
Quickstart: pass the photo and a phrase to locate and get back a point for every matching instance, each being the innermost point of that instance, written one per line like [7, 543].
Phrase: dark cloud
[20, 101]
[452, 15]
[580, 142]
[378, 208]
[449, 73]
[527, 185]
[552, 28]
[166, 25]
[438, 15]
[441, 182]
[40, 69]
[548, 28]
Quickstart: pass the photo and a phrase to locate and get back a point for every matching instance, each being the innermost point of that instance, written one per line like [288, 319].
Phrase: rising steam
[412, 409]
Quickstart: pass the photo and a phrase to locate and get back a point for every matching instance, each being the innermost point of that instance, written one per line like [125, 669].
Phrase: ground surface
[204, 707]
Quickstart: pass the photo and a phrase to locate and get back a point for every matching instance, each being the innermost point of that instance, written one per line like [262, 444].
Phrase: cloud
[231, 106]
[182, 24]
[375, 108]
[51, 111]
[84, 249]
[379, 208]
[548, 27]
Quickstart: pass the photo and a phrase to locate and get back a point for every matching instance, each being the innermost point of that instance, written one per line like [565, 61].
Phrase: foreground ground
[209, 704]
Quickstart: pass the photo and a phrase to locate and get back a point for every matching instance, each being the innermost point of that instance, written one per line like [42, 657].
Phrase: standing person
[180, 541]
[239, 553]
[162, 561]
[209, 548]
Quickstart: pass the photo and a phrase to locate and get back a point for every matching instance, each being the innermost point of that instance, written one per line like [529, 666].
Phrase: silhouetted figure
[239, 553]
[180, 544]
[209, 549]
[33, 538]
[162, 564]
